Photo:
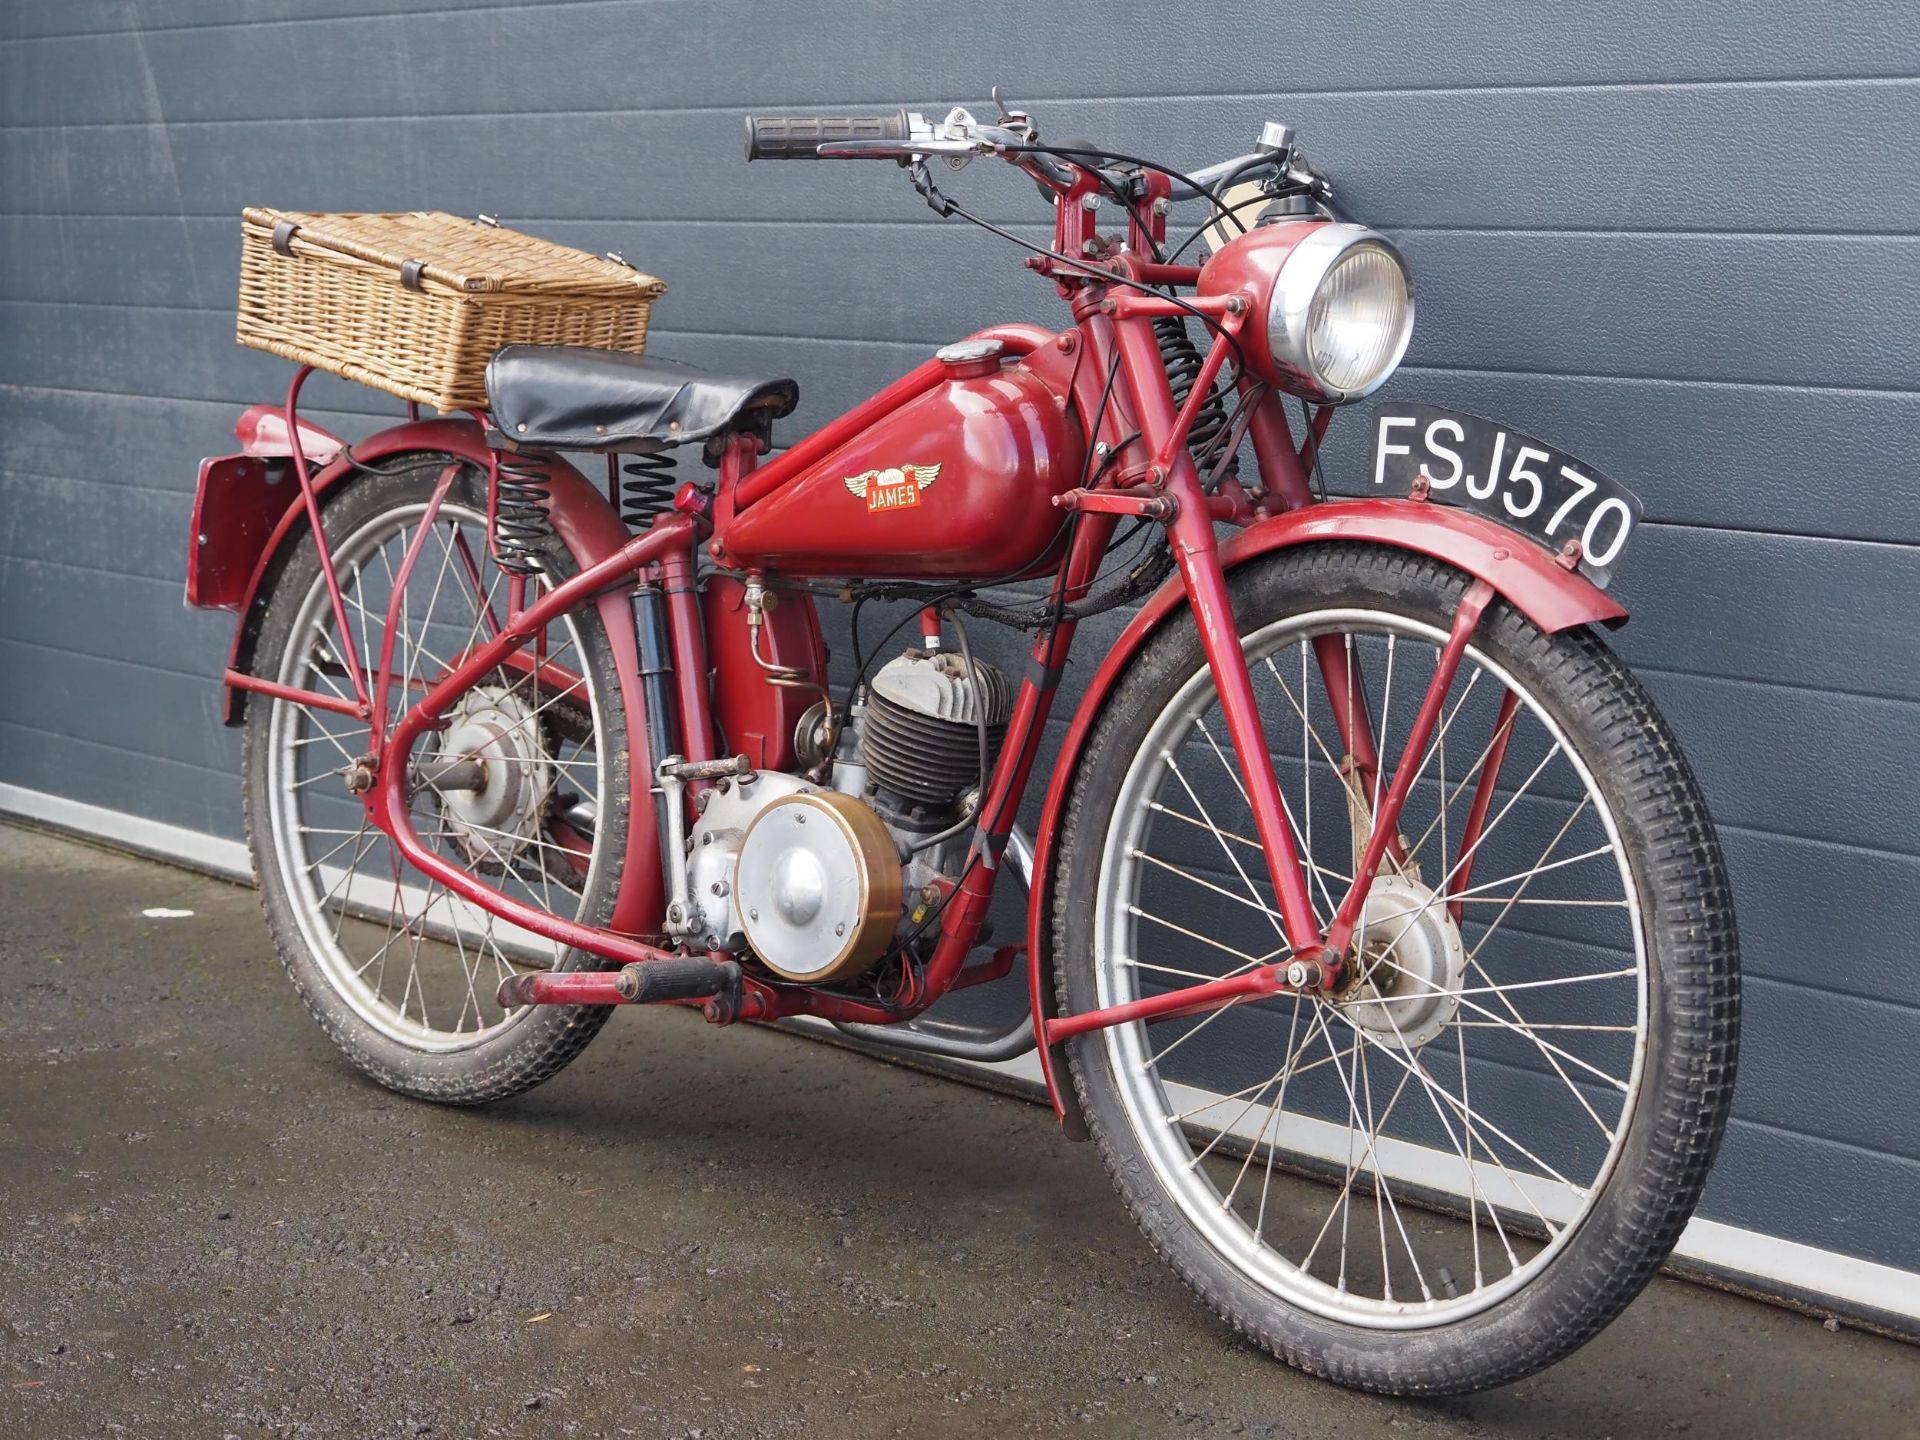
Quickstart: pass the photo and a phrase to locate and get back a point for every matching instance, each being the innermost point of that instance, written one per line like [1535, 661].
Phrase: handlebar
[911, 138]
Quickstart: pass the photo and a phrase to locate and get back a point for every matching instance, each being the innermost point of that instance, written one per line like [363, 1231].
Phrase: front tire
[1564, 1085]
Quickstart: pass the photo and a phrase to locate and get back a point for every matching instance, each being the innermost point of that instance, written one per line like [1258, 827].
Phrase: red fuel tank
[956, 483]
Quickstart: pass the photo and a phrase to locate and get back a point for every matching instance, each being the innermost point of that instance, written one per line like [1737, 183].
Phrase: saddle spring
[647, 488]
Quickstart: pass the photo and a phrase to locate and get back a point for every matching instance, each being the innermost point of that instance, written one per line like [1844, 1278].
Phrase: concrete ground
[212, 1228]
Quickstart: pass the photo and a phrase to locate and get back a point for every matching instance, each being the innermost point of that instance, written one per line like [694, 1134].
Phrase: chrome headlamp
[1341, 314]
[1339, 305]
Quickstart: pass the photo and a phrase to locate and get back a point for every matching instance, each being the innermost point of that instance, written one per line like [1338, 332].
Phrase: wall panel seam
[196, 675]
[122, 750]
[1032, 102]
[734, 222]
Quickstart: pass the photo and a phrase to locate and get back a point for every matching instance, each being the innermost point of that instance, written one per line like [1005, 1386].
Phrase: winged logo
[894, 488]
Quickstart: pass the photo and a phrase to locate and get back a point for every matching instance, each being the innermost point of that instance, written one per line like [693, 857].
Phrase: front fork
[1318, 959]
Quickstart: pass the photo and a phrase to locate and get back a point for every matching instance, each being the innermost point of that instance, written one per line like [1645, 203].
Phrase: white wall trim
[193, 848]
[1765, 1264]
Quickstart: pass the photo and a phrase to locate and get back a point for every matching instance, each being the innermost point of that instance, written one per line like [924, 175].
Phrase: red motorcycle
[1358, 787]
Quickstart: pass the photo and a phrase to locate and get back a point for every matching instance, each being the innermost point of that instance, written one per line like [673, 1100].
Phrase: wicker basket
[417, 304]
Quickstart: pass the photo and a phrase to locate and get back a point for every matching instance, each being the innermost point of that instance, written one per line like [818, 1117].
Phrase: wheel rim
[1367, 1065]
[414, 962]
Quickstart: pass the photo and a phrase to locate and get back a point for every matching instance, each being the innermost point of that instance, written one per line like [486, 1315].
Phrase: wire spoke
[1225, 849]
[1285, 808]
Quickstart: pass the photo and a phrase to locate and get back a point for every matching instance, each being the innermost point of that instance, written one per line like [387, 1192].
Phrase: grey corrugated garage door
[1679, 238]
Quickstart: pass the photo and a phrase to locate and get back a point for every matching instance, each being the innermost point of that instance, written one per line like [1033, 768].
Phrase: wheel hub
[1408, 967]
[503, 816]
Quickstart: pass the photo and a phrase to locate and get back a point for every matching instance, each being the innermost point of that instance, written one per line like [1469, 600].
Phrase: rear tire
[1670, 1117]
[326, 917]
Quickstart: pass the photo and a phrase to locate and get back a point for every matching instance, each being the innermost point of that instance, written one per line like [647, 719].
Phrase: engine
[818, 874]
[919, 736]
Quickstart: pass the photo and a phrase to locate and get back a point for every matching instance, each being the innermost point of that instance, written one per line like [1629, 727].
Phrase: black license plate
[1527, 485]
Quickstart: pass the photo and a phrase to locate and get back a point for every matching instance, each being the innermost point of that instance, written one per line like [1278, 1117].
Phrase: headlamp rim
[1297, 283]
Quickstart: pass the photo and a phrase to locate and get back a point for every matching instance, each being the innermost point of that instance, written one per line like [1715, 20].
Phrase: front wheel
[1512, 1104]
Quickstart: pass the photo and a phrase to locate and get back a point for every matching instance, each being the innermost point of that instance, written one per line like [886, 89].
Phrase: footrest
[649, 982]
[654, 982]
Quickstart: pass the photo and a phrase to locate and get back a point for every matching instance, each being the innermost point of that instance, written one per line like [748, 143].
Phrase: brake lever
[894, 149]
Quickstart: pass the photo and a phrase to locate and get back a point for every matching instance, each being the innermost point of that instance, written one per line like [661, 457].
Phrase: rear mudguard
[1526, 576]
[580, 513]
[584, 519]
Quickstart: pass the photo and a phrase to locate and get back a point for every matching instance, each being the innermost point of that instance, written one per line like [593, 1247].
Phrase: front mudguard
[1523, 574]
[582, 516]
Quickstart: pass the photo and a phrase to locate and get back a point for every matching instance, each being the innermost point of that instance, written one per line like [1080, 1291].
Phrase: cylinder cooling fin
[921, 741]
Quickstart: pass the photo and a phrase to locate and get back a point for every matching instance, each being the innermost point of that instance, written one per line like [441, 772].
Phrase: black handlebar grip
[799, 137]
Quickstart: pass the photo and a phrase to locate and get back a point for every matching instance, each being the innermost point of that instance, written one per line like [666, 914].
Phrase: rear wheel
[399, 972]
[1517, 1095]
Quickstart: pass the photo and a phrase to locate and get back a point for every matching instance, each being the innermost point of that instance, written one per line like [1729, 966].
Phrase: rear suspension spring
[521, 524]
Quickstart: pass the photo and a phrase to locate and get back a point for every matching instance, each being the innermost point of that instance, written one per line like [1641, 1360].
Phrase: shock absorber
[521, 524]
[647, 488]
[1182, 361]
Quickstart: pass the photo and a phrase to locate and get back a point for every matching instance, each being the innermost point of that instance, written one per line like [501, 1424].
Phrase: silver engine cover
[715, 850]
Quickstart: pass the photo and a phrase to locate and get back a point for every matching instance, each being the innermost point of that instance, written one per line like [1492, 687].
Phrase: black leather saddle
[570, 397]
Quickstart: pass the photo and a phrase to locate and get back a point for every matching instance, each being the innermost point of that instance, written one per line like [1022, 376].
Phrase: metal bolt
[753, 914]
[1089, 202]
[799, 819]
[840, 929]
[719, 887]
[1162, 205]
[1236, 305]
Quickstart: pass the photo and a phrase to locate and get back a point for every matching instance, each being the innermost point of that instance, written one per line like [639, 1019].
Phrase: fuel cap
[971, 357]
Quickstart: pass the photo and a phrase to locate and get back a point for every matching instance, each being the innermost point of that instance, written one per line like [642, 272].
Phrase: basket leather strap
[283, 234]
[410, 273]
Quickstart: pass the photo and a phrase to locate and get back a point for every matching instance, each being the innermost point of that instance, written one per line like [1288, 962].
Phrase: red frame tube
[297, 451]
[1482, 799]
[1172, 1004]
[273, 689]
[387, 801]
[382, 679]
[1386, 819]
